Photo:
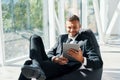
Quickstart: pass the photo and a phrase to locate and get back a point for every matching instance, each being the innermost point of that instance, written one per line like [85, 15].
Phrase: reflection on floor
[111, 76]
[110, 55]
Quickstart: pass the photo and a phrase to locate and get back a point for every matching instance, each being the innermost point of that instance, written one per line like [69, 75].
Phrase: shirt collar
[73, 38]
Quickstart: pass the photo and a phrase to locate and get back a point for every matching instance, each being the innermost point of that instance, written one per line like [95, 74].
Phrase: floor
[110, 55]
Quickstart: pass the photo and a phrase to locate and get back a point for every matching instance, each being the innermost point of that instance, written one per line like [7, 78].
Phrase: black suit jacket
[90, 48]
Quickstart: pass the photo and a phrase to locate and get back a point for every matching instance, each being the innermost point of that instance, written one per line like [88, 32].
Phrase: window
[21, 19]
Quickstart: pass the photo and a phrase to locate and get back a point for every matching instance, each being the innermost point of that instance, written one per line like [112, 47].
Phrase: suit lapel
[64, 38]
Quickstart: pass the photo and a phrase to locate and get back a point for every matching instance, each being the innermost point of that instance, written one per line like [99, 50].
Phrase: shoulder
[63, 35]
[86, 31]
[90, 35]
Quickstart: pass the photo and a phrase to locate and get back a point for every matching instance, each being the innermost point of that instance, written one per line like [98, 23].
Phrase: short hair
[72, 18]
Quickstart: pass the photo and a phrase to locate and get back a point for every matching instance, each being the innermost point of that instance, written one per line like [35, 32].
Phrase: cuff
[53, 58]
[84, 63]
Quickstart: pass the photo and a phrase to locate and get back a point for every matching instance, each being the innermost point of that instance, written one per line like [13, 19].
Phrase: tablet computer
[66, 47]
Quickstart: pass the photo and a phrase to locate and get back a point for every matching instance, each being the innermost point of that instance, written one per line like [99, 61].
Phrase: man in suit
[44, 66]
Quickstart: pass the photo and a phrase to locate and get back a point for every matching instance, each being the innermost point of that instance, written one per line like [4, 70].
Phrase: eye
[74, 27]
[69, 27]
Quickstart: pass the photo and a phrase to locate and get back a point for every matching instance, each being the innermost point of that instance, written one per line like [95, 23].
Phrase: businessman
[44, 66]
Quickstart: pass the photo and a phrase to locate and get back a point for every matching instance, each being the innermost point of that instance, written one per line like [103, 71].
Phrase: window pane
[21, 19]
[91, 17]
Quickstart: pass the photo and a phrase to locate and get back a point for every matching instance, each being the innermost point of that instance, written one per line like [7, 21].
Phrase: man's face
[72, 27]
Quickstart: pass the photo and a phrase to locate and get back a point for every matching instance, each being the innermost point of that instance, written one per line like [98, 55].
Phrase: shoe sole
[30, 72]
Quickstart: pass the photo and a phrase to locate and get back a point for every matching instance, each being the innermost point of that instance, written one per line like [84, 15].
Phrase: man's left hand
[76, 54]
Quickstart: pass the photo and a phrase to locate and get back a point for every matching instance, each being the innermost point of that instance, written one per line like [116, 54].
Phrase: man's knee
[28, 62]
[33, 37]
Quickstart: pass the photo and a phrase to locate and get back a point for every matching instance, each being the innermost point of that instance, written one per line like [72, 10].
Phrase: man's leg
[53, 70]
[37, 50]
[37, 55]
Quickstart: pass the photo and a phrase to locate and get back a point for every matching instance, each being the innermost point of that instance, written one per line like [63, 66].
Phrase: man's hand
[60, 60]
[78, 55]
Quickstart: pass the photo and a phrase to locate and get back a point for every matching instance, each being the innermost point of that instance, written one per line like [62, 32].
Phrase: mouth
[73, 34]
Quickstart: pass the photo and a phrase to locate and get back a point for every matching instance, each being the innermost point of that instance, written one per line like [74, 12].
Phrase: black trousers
[51, 69]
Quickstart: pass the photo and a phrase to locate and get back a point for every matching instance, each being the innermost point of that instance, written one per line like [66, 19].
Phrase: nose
[72, 30]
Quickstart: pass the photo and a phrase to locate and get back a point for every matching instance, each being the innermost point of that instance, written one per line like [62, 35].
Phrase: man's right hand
[60, 60]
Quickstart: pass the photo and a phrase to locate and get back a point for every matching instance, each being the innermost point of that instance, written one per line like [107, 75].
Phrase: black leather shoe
[30, 71]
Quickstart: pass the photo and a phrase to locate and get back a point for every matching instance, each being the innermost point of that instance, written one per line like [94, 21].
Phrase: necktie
[69, 40]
